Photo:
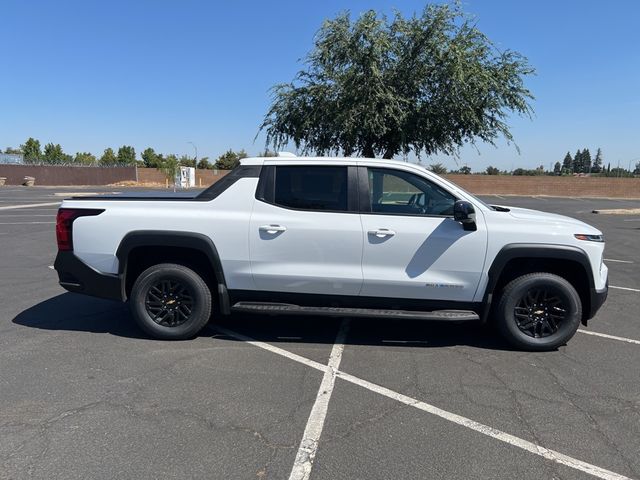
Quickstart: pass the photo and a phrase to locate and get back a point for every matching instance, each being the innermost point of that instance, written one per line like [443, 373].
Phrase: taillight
[64, 223]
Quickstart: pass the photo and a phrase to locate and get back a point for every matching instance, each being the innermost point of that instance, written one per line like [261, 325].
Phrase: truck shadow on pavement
[79, 313]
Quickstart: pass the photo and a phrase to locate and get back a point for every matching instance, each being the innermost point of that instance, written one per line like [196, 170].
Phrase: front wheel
[170, 302]
[539, 311]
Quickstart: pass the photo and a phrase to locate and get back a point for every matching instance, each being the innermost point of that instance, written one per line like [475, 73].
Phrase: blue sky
[95, 74]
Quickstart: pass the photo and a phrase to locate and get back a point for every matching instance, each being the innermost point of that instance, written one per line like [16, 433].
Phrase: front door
[305, 232]
[412, 246]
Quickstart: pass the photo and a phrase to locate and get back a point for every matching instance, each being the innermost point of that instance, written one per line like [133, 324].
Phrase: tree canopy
[31, 150]
[230, 159]
[377, 86]
[126, 155]
[108, 158]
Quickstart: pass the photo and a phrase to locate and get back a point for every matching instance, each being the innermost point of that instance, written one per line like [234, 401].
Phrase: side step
[290, 309]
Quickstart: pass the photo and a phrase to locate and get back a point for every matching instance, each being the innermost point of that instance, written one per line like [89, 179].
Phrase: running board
[290, 309]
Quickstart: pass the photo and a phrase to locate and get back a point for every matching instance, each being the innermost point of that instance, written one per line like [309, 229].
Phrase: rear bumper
[76, 276]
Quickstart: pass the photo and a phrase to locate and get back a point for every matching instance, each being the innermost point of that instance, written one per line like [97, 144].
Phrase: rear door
[412, 246]
[305, 232]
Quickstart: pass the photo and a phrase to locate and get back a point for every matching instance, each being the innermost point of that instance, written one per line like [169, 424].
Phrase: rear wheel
[170, 302]
[539, 311]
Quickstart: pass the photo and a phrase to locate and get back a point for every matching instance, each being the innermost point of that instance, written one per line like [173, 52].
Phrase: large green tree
[53, 154]
[150, 158]
[204, 163]
[108, 158]
[577, 162]
[229, 159]
[126, 155]
[377, 86]
[31, 150]
[567, 164]
[597, 162]
[84, 158]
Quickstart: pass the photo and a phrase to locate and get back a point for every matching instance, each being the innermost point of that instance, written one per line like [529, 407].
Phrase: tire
[539, 312]
[170, 302]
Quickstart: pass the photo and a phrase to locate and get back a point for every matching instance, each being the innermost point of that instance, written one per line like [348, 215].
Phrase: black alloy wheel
[540, 312]
[169, 302]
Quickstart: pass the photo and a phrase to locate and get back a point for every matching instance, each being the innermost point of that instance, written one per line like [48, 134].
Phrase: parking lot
[84, 394]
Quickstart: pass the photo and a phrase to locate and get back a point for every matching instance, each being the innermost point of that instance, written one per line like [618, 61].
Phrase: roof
[292, 159]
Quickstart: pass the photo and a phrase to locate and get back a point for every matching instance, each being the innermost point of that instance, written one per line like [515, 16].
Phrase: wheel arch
[566, 261]
[158, 246]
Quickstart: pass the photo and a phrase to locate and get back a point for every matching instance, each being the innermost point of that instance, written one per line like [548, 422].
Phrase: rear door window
[311, 188]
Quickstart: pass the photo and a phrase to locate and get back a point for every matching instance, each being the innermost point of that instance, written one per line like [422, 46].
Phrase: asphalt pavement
[84, 394]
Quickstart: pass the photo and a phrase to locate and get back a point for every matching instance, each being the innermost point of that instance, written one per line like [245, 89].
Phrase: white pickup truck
[340, 237]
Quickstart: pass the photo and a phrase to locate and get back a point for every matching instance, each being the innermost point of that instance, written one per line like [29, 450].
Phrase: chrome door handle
[273, 228]
[382, 232]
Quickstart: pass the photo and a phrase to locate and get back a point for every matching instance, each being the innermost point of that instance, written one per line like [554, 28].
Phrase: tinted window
[311, 188]
[403, 193]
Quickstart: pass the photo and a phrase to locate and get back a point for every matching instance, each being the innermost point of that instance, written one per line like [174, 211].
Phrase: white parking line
[530, 447]
[618, 261]
[30, 205]
[309, 444]
[625, 288]
[612, 337]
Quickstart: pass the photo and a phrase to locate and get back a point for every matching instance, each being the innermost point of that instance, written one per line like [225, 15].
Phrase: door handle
[382, 232]
[272, 228]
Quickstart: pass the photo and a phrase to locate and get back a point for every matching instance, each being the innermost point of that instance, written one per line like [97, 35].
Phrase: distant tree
[229, 159]
[84, 158]
[577, 162]
[586, 161]
[465, 170]
[54, 155]
[557, 168]
[31, 150]
[567, 164]
[492, 171]
[523, 171]
[12, 151]
[619, 172]
[268, 153]
[187, 161]
[597, 162]
[204, 163]
[108, 158]
[636, 171]
[151, 158]
[126, 155]
[608, 168]
[428, 83]
[438, 168]
[170, 166]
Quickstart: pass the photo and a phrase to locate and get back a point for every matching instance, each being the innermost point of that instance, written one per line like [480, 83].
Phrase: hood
[544, 217]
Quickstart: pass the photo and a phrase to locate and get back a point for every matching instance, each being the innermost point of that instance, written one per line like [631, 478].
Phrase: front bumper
[76, 276]
[597, 299]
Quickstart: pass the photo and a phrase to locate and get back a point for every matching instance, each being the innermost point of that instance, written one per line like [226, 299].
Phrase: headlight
[589, 238]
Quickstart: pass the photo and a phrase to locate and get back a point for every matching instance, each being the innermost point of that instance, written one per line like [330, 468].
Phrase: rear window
[311, 188]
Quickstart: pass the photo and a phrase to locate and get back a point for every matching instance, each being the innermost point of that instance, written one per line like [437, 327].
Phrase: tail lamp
[64, 225]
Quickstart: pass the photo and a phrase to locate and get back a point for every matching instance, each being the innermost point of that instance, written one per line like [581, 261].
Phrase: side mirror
[464, 213]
